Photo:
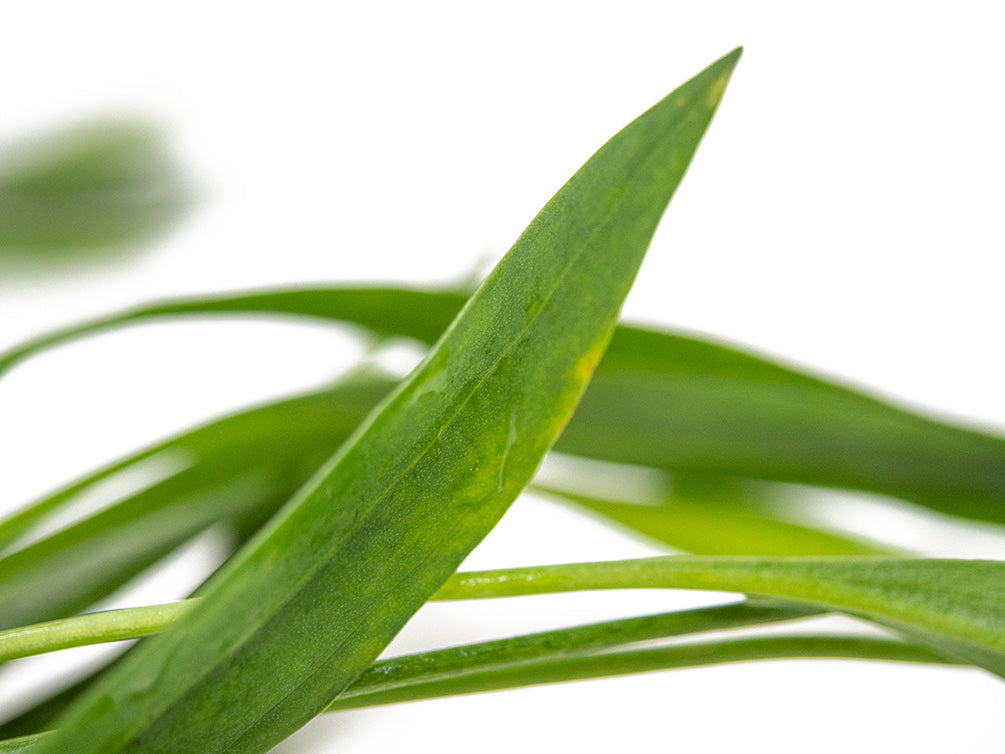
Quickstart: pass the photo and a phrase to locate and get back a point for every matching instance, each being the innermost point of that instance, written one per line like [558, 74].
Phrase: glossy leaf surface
[312, 600]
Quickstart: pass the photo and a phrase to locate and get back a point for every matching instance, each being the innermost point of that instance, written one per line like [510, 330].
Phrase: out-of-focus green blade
[69, 570]
[422, 315]
[242, 468]
[681, 404]
[711, 515]
[954, 607]
[100, 185]
[311, 601]
[676, 402]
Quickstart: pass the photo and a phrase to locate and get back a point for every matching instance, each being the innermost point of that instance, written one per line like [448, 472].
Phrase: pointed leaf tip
[722, 69]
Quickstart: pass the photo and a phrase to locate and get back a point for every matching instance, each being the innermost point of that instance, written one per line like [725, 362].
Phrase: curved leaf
[243, 467]
[714, 515]
[955, 607]
[312, 600]
[609, 664]
[137, 622]
[676, 402]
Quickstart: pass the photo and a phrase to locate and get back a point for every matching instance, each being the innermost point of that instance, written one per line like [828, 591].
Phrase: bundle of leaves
[355, 504]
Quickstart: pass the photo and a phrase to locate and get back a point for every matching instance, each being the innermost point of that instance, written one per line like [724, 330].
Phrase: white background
[844, 212]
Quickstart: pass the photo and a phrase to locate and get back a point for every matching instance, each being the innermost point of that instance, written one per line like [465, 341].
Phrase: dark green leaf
[314, 598]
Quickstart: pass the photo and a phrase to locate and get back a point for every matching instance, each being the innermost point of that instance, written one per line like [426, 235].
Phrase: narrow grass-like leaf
[418, 314]
[68, 571]
[677, 402]
[137, 622]
[130, 623]
[300, 431]
[314, 598]
[386, 689]
[686, 405]
[955, 607]
[714, 515]
[243, 467]
[609, 664]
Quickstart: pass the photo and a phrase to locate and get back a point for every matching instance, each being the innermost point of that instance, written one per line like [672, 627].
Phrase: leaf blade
[509, 385]
[723, 518]
[243, 467]
[683, 403]
[956, 607]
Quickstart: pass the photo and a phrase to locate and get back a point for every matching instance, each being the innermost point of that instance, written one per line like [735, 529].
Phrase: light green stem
[92, 628]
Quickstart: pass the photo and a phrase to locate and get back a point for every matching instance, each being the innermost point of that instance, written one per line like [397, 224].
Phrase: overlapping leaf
[955, 607]
[312, 600]
[243, 468]
[677, 402]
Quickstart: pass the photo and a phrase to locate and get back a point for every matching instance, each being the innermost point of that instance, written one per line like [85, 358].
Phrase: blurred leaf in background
[95, 190]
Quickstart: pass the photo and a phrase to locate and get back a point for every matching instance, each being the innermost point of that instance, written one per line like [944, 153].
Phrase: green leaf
[711, 515]
[676, 402]
[686, 405]
[422, 315]
[574, 653]
[954, 607]
[243, 467]
[314, 598]
[388, 689]
[73, 568]
[94, 186]
[85, 630]
[131, 623]
[577, 668]
[137, 622]
[21, 744]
